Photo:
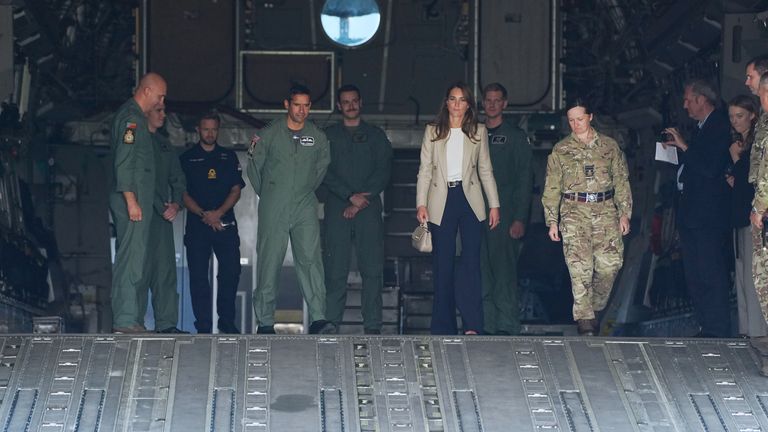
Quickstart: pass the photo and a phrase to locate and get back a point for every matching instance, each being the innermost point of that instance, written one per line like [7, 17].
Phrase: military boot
[585, 327]
[322, 327]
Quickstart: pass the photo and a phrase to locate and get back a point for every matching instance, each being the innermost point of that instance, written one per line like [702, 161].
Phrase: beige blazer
[432, 184]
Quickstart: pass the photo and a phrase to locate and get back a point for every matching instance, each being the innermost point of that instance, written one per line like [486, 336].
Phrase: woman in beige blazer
[455, 169]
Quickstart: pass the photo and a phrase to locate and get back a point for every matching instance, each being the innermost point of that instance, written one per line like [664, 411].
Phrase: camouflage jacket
[758, 171]
[574, 167]
[758, 148]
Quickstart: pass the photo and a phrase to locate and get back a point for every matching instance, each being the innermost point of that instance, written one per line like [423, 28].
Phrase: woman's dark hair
[748, 104]
[578, 103]
[468, 124]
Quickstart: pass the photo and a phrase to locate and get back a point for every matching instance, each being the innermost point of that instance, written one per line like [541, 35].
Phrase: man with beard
[361, 157]
[214, 181]
[288, 161]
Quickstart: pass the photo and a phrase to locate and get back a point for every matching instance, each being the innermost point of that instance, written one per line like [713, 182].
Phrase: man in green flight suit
[287, 162]
[511, 160]
[361, 159]
[160, 268]
[130, 202]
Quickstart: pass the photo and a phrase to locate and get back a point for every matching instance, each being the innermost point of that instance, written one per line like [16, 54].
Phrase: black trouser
[200, 241]
[706, 276]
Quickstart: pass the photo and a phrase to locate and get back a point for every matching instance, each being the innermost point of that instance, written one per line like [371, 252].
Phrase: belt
[589, 196]
[454, 183]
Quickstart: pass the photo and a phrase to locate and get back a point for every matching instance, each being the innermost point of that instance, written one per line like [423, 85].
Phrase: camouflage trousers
[745, 246]
[760, 270]
[593, 251]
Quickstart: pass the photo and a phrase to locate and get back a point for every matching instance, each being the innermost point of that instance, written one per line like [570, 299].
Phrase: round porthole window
[350, 23]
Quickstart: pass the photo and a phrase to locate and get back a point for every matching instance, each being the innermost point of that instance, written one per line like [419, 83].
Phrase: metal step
[405, 167]
[355, 383]
[400, 222]
[399, 245]
[417, 313]
[390, 296]
[401, 197]
[352, 320]
[354, 315]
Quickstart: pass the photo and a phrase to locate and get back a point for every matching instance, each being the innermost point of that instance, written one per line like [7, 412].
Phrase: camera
[666, 137]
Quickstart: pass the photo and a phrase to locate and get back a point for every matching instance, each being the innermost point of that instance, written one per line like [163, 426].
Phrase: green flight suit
[511, 159]
[285, 168]
[361, 161]
[160, 268]
[134, 171]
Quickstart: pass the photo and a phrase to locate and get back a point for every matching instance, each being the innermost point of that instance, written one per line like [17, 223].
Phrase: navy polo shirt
[210, 177]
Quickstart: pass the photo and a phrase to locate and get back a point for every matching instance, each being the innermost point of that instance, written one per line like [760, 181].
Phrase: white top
[455, 153]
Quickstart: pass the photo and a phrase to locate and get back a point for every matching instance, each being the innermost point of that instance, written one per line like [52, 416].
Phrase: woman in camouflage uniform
[587, 192]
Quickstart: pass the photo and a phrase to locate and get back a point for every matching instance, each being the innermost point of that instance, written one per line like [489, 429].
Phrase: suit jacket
[706, 196]
[432, 184]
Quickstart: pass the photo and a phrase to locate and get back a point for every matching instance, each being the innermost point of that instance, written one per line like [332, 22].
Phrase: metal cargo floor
[357, 383]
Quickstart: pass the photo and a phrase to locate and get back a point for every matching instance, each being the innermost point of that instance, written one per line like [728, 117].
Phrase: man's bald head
[150, 92]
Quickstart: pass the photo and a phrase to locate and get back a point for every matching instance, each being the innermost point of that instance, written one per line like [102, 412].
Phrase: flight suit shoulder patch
[129, 135]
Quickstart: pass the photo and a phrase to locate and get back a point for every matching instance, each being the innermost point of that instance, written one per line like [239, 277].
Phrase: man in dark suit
[702, 218]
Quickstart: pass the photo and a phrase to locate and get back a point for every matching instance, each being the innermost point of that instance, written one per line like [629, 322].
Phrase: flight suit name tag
[499, 139]
[307, 141]
[359, 138]
[589, 171]
[129, 136]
